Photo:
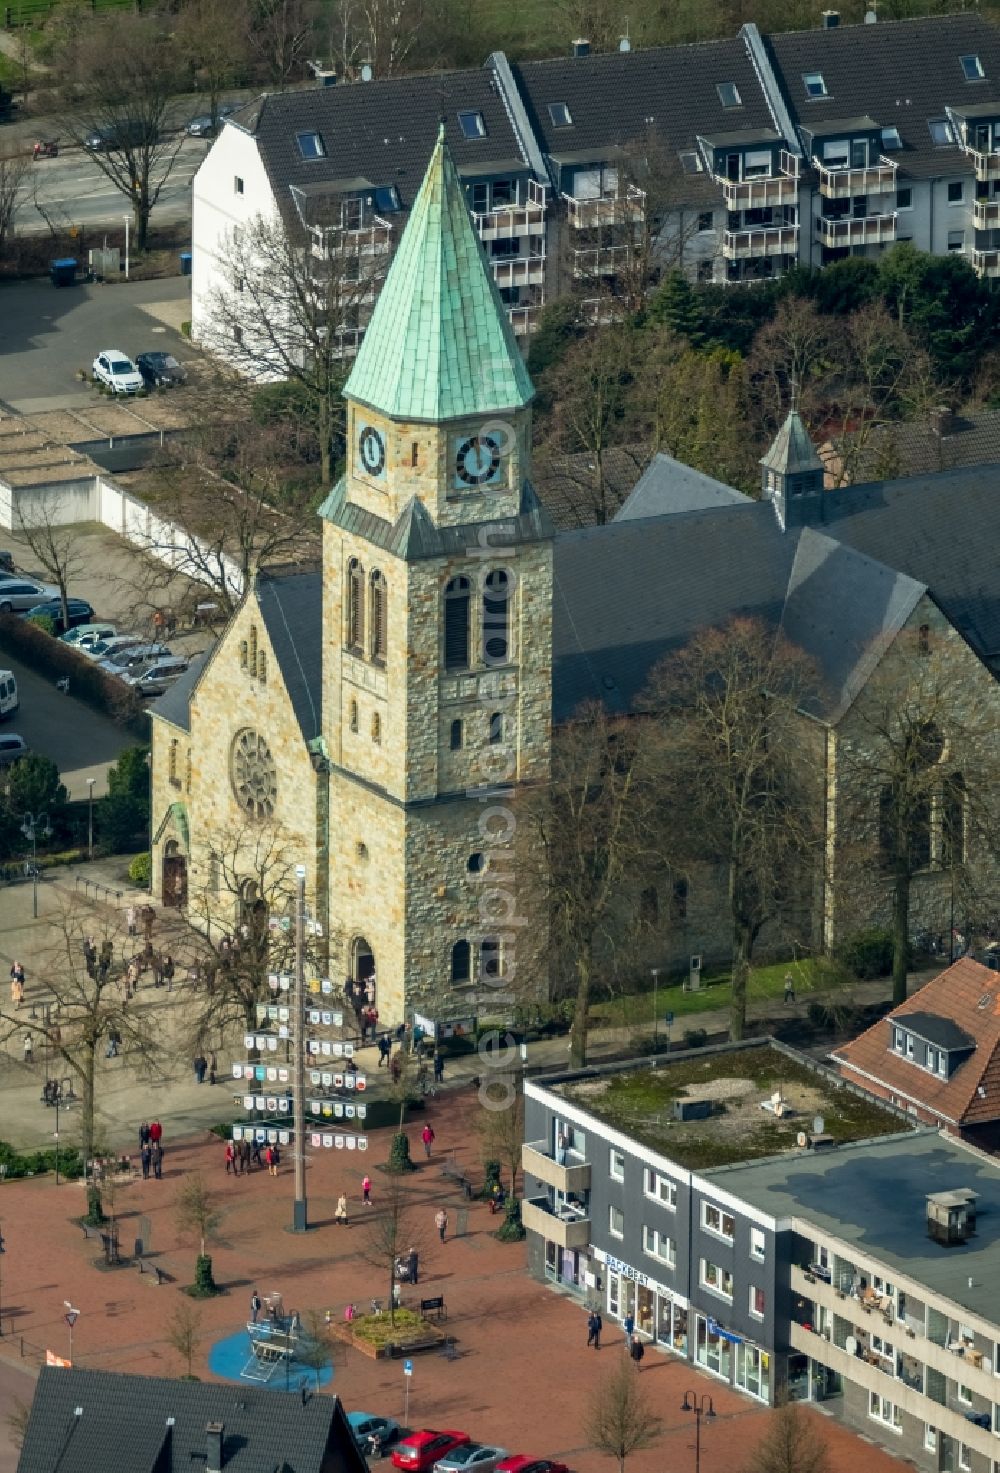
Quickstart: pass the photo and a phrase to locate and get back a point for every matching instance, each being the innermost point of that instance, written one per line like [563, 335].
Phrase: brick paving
[523, 1376]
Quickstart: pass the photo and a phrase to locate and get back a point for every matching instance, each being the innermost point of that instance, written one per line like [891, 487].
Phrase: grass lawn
[811, 974]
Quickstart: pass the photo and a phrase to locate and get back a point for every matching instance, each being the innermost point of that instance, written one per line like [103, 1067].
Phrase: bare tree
[792, 1443]
[213, 42]
[732, 774]
[390, 1235]
[620, 1421]
[281, 34]
[53, 541]
[500, 1123]
[121, 75]
[294, 296]
[17, 1421]
[316, 1347]
[184, 1333]
[13, 189]
[198, 1215]
[391, 31]
[85, 1006]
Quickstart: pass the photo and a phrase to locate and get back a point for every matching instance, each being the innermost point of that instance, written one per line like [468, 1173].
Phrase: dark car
[159, 370]
[121, 135]
[368, 1428]
[80, 612]
[202, 127]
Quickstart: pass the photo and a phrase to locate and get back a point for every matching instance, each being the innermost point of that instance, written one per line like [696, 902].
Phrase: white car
[17, 595]
[153, 678]
[118, 372]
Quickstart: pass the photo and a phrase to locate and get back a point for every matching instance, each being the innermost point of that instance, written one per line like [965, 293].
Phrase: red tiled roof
[968, 994]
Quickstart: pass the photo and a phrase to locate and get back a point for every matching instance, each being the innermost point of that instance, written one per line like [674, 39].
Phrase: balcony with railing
[568, 1176]
[507, 222]
[524, 320]
[567, 1227]
[986, 213]
[526, 270]
[335, 243]
[847, 231]
[986, 164]
[847, 183]
[626, 207]
[760, 240]
[986, 263]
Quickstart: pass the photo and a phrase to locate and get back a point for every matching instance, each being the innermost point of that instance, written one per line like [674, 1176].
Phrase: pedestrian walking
[384, 1049]
[200, 1064]
[340, 1214]
[17, 984]
[148, 917]
[156, 1132]
[90, 956]
[598, 1327]
[396, 1067]
[130, 920]
[254, 1306]
[628, 1325]
[230, 1159]
[213, 1065]
[366, 1191]
[156, 1151]
[106, 957]
[168, 971]
[269, 1161]
[244, 1156]
[427, 1136]
[438, 1066]
[29, 1049]
[144, 1134]
[441, 1222]
[146, 1157]
[413, 1265]
[591, 1327]
[637, 1351]
[789, 987]
[157, 965]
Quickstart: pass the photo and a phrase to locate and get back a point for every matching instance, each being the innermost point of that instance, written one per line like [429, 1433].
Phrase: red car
[522, 1463]
[421, 1450]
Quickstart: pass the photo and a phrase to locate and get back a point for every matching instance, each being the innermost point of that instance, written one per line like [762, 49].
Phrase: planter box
[406, 1343]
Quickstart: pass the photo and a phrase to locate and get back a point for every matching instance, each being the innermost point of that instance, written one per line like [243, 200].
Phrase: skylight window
[891, 139]
[560, 115]
[972, 68]
[814, 84]
[691, 161]
[472, 125]
[311, 145]
[942, 133]
[729, 94]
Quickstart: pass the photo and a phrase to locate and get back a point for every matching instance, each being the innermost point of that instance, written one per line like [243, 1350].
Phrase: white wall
[217, 209]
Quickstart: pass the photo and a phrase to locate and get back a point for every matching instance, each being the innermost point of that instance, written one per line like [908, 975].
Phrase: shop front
[660, 1314]
[733, 1358]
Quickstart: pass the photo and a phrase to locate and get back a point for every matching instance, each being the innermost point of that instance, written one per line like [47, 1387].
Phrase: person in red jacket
[427, 1136]
[155, 1132]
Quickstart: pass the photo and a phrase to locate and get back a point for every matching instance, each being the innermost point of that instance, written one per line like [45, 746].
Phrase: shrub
[204, 1283]
[140, 871]
[44, 622]
[377, 1329]
[34, 1163]
[399, 1153]
[124, 813]
[51, 657]
[512, 1229]
[868, 953]
[695, 1038]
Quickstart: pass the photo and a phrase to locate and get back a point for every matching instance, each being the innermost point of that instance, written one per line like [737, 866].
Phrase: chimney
[942, 421]
[871, 16]
[214, 1434]
[830, 19]
[581, 46]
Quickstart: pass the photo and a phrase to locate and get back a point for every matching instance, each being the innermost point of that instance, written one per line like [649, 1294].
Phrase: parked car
[79, 610]
[105, 647]
[120, 136]
[8, 694]
[472, 1457]
[160, 370]
[421, 1450]
[130, 655]
[85, 636]
[366, 1425]
[153, 678]
[524, 1463]
[202, 126]
[12, 749]
[117, 372]
[17, 595]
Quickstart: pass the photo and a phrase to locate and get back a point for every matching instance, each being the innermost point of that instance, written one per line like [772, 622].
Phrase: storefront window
[645, 1316]
[551, 1260]
[712, 1351]
[753, 1371]
[680, 1330]
[614, 1296]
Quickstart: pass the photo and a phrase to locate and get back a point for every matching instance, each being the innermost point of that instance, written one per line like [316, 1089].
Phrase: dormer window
[891, 139]
[941, 131]
[898, 1039]
[472, 125]
[311, 145]
[729, 94]
[560, 115]
[972, 68]
[814, 84]
[387, 199]
[691, 161]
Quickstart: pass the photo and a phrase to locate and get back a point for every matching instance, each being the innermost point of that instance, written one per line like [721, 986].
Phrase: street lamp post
[656, 1019]
[702, 1407]
[126, 218]
[90, 818]
[3, 1250]
[31, 826]
[71, 1316]
[300, 1213]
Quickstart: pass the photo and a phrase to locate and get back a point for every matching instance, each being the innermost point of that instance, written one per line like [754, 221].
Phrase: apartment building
[768, 1224]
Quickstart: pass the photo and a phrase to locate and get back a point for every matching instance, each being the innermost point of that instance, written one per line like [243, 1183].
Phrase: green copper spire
[439, 345]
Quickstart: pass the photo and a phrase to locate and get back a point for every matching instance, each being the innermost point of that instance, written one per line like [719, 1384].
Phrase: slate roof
[617, 98]
[915, 447]
[668, 486]
[961, 1003]
[383, 131]
[792, 451]
[291, 607]
[440, 345]
[175, 703]
[125, 1422]
[900, 72]
[567, 484]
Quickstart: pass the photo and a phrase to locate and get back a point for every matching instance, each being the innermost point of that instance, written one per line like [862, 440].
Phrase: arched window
[353, 715]
[244, 654]
[924, 639]
[456, 624]
[496, 618]
[461, 962]
[378, 628]
[496, 727]
[262, 667]
[172, 768]
[953, 821]
[491, 959]
[355, 607]
[456, 736]
[376, 727]
[253, 649]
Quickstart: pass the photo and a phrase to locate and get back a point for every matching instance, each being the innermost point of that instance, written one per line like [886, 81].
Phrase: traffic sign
[71, 1317]
[407, 1368]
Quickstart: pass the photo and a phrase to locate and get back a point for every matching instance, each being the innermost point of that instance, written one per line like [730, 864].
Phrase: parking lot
[47, 335]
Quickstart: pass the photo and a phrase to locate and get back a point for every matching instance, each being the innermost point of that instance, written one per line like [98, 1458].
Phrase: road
[71, 190]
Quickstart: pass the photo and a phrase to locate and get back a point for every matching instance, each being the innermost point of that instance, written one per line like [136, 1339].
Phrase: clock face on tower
[371, 452]
[477, 461]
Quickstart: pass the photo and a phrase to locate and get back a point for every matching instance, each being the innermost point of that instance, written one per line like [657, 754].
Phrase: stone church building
[379, 721]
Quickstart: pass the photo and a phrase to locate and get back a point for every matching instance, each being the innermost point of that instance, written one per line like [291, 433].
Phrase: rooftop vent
[942, 420]
[951, 1216]
[214, 1434]
[581, 46]
[366, 71]
[871, 17]
[624, 44]
[830, 19]
[686, 1109]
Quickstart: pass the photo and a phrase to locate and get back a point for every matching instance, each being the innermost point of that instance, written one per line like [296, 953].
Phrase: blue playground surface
[228, 1357]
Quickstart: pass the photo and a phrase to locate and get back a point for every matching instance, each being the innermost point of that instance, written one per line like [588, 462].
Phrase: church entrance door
[175, 885]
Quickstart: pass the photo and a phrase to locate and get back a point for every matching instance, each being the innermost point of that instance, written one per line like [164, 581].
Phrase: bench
[156, 1275]
[436, 1305]
[452, 1172]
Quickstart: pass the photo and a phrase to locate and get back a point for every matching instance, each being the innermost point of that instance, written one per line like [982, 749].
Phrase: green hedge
[868, 954]
[36, 1163]
[48, 656]
[140, 871]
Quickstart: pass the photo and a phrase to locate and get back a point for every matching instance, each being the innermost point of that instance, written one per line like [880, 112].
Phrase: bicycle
[428, 1086]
